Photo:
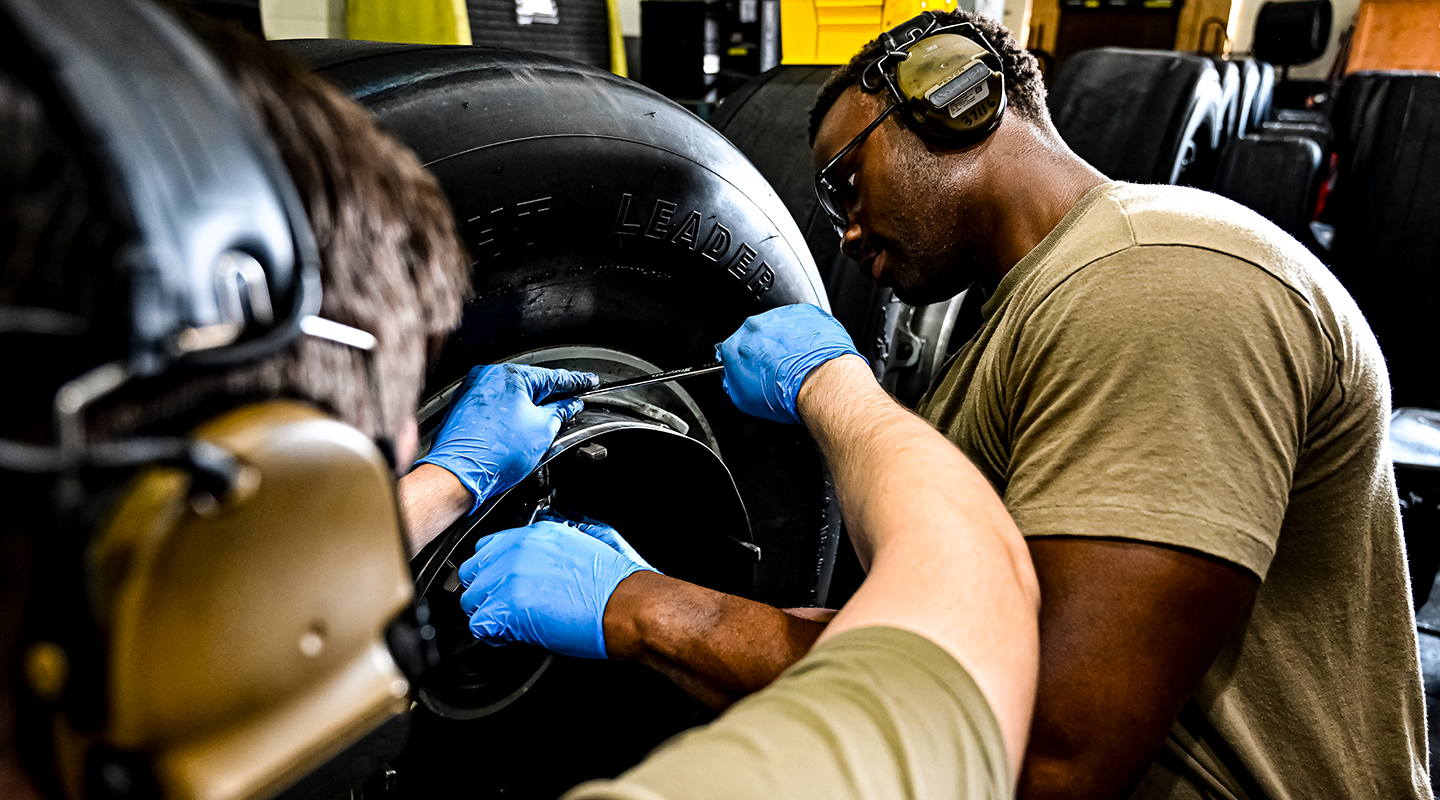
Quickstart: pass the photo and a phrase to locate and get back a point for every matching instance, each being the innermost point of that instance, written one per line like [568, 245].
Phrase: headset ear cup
[951, 88]
[979, 120]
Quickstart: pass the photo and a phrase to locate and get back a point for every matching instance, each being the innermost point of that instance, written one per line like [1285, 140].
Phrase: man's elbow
[1071, 776]
[1077, 765]
[1014, 550]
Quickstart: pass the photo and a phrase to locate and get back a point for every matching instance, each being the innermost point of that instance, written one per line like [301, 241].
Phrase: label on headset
[969, 98]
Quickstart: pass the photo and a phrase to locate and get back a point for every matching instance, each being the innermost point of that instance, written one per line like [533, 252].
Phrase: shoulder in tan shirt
[1169, 367]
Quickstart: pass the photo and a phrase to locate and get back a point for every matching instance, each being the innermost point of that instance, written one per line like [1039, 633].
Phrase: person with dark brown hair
[391, 263]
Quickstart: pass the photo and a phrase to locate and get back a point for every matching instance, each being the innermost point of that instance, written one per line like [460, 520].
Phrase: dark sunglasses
[829, 187]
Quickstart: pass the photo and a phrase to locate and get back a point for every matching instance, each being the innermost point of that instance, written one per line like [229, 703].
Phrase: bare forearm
[1077, 777]
[890, 466]
[431, 499]
[943, 556]
[715, 646]
[1095, 753]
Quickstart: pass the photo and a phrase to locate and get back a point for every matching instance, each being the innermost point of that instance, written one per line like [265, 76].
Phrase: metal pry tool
[643, 380]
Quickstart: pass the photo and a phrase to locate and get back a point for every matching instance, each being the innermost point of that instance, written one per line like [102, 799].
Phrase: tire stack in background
[1146, 116]
[1281, 166]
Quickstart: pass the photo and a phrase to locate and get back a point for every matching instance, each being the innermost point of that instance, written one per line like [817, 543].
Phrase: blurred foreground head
[390, 265]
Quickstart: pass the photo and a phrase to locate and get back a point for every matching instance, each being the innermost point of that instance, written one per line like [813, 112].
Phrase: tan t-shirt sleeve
[1159, 395]
[873, 713]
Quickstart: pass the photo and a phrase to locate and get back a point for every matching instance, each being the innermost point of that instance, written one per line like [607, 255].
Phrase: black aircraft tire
[600, 213]
[1146, 116]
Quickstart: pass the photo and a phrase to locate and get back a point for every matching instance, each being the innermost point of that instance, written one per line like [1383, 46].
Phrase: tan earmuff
[951, 89]
[245, 634]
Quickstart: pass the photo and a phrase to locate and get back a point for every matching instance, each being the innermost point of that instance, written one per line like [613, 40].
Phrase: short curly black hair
[1024, 86]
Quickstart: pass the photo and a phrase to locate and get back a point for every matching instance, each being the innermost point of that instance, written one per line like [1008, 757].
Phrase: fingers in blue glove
[769, 358]
[546, 584]
[539, 383]
[489, 631]
[544, 382]
[596, 529]
[498, 427]
[469, 568]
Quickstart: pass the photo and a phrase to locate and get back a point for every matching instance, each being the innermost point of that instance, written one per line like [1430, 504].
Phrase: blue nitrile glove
[768, 359]
[546, 584]
[495, 433]
[596, 529]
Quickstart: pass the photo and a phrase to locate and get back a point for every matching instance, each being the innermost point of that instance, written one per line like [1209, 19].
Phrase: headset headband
[900, 39]
[221, 265]
[954, 72]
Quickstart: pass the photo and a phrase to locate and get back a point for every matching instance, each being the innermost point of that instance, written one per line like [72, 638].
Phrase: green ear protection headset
[946, 81]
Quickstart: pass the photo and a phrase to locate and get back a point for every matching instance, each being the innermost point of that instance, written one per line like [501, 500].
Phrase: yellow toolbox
[831, 31]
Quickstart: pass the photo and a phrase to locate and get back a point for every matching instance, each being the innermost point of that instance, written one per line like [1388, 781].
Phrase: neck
[1041, 181]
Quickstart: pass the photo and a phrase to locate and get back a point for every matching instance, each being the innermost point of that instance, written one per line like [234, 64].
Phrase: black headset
[947, 79]
[220, 261]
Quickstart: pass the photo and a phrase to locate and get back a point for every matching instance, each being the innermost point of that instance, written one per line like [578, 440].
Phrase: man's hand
[497, 429]
[577, 587]
[596, 529]
[769, 358]
[547, 585]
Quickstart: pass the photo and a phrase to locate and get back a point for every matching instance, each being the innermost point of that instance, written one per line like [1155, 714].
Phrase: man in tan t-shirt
[1186, 415]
